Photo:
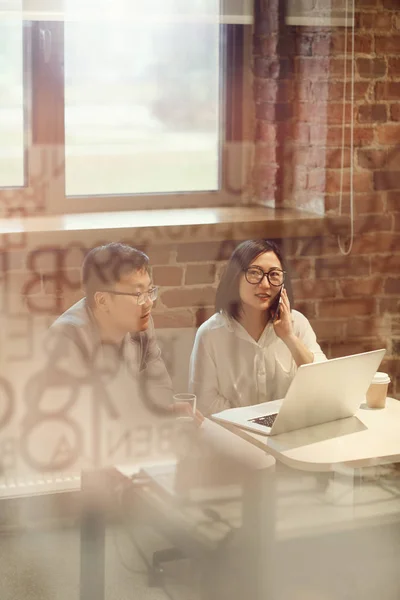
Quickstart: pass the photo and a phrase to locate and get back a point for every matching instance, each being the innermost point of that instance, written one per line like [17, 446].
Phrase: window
[11, 102]
[134, 104]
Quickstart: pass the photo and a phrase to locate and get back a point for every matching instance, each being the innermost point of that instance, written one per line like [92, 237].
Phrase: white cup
[185, 406]
[377, 391]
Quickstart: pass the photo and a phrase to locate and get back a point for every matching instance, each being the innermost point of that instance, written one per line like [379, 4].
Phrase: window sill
[173, 225]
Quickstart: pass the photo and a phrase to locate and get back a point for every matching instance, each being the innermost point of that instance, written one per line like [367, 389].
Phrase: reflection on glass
[11, 100]
[142, 97]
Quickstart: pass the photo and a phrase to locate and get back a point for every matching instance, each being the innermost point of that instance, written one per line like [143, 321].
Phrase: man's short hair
[105, 265]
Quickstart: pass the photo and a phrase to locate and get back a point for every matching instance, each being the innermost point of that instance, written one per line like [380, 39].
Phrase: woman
[249, 350]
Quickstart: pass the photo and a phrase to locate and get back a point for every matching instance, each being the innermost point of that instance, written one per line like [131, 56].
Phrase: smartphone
[275, 313]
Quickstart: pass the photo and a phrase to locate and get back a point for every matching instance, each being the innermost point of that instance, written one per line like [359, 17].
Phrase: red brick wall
[353, 301]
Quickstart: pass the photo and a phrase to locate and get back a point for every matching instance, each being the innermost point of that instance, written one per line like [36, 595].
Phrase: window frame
[45, 134]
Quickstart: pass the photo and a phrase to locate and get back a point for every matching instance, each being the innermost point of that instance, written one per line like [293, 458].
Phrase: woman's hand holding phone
[282, 319]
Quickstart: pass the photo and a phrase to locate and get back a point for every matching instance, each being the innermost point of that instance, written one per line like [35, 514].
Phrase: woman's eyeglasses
[141, 297]
[255, 275]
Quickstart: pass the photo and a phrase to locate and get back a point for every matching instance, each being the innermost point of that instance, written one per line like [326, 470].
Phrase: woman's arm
[203, 379]
[304, 348]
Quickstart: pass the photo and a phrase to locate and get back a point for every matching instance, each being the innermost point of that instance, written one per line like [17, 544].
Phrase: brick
[392, 285]
[387, 180]
[389, 305]
[265, 46]
[395, 112]
[363, 203]
[376, 21]
[386, 264]
[391, 4]
[349, 348]
[334, 158]
[316, 181]
[336, 90]
[301, 268]
[299, 178]
[346, 308]
[203, 313]
[363, 136]
[265, 90]
[267, 67]
[370, 286]
[309, 156]
[265, 154]
[312, 91]
[387, 44]
[266, 132]
[372, 113]
[318, 246]
[389, 134]
[394, 66]
[362, 181]
[363, 43]
[367, 327]
[173, 319]
[371, 68]
[266, 23]
[314, 288]
[301, 133]
[328, 330]
[308, 309]
[388, 90]
[372, 159]
[265, 174]
[167, 276]
[341, 266]
[376, 242]
[158, 254]
[321, 45]
[337, 66]
[369, 203]
[393, 201]
[367, 223]
[200, 274]
[265, 111]
[367, 3]
[312, 68]
[208, 251]
[268, 111]
[188, 297]
[304, 46]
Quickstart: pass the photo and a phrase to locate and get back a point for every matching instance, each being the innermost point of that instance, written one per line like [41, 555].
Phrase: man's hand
[184, 409]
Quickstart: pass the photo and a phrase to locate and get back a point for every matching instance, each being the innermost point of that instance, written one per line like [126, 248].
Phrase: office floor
[44, 565]
[321, 554]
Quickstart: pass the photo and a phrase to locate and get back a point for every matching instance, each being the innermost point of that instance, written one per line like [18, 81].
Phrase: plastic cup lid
[381, 378]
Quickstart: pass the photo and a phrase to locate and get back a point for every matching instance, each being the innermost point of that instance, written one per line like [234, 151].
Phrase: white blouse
[229, 368]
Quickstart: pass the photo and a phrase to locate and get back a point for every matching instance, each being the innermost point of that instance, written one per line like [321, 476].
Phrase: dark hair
[105, 265]
[228, 297]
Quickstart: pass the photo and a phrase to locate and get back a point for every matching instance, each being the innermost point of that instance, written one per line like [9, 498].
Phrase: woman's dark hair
[105, 265]
[228, 297]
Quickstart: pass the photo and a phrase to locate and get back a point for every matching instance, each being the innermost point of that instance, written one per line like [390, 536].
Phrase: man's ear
[101, 301]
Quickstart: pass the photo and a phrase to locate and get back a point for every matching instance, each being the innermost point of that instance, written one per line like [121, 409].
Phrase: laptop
[320, 392]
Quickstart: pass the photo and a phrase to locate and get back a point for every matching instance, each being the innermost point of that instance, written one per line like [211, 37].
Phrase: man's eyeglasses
[141, 297]
[255, 275]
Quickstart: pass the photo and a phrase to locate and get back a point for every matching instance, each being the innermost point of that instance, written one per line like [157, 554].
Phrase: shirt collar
[238, 329]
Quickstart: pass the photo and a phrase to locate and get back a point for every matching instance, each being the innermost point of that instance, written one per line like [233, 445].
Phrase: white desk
[370, 438]
[343, 447]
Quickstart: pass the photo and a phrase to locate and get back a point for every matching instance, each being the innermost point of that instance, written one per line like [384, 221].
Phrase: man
[103, 367]
[112, 329]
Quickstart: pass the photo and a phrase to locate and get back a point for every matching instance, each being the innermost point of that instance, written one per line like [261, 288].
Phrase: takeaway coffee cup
[377, 391]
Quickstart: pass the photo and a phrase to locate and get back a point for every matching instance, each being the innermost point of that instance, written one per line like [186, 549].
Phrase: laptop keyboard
[267, 421]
